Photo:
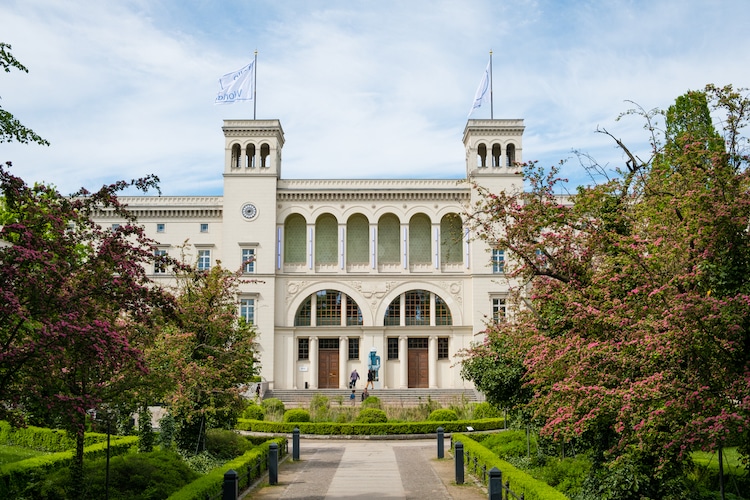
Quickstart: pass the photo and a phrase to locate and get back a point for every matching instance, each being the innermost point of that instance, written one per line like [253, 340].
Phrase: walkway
[369, 469]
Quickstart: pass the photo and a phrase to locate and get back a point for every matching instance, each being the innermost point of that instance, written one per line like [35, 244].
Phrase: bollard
[495, 485]
[295, 444]
[230, 488]
[459, 457]
[441, 442]
[273, 463]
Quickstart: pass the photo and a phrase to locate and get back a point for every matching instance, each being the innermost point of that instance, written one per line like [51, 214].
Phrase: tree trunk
[76, 468]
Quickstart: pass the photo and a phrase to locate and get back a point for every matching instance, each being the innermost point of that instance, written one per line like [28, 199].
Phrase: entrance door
[418, 368]
[328, 364]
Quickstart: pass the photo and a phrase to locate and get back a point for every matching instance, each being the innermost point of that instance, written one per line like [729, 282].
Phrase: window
[159, 266]
[115, 227]
[498, 261]
[248, 260]
[353, 347]
[393, 313]
[204, 227]
[417, 308]
[418, 343]
[498, 310]
[160, 227]
[247, 310]
[442, 348]
[304, 313]
[303, 348]
[442, 313]
[327, 308]
[204, 260]
[392, 347]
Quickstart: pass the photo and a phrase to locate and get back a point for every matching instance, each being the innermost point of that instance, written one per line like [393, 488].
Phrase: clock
[249, 211]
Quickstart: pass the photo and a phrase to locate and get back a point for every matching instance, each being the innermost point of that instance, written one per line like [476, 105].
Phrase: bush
[485, 410]
[296, 415]
[254, 412]
[372, 402]
[319, 405]
[371, 416]
[443, 416]
[226, 445]
[274, 405]
[510, 443]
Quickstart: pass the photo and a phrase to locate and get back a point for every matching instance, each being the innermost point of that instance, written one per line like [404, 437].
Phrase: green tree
[10, 128]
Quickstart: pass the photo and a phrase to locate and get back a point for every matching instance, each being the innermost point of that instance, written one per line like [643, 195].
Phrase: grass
[732, 463]
[10, 454]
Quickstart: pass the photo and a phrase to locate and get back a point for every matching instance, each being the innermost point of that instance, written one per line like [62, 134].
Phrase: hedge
[40, 439]
[520, 482]
[361, 429]
[15, 477]
[210, 485]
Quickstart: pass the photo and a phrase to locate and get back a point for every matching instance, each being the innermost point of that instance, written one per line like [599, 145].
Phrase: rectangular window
[160, 227]
[392, 347]
[498, 310]
[353, 347]
[442, 348]
[159, 267]
[115, 227]
[247, 310]
[204, 260]
[204, 227]
[303, 348]
[248, 260]
[498, 261]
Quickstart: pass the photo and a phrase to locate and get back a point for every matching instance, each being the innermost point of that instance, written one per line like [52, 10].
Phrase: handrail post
[295, 444]
[440, 442]
[273, 463]
[459, 458]
[230, 488]
[495, 485]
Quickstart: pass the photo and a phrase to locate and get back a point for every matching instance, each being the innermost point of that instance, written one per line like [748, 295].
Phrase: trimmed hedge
[210, 485]
[41, 439]
[15, 477]
[520, 482]
[357, 429]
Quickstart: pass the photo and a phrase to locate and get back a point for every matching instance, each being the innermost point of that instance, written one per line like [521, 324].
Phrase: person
[353, 378]
[257, 391]
[365, 394]
[370, 379]
[352, 397]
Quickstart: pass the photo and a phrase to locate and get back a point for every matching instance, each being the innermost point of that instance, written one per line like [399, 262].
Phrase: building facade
[343, 273]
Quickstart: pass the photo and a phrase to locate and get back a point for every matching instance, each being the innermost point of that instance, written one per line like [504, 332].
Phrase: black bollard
[441, 442]
[495, 485]
[273, 463]
[230, 489]
[295, 444]
[459, 457]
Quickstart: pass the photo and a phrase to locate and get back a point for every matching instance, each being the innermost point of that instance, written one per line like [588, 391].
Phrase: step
[397, 397]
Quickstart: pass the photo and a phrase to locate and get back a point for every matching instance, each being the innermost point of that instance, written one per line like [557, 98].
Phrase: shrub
[296, 415]
[319, 405]
[254, 412]
[443, 416]
[274, 405]
[225, 444]
[372, 402]
[166, 431]
[371, 416]
[510, 444]
[485, 410]
[146, 436]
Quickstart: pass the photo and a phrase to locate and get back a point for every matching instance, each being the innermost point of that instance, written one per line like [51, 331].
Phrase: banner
[237, 86]
[483, 91]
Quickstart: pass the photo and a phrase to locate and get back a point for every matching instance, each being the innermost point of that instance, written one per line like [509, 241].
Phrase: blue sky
[363, 89]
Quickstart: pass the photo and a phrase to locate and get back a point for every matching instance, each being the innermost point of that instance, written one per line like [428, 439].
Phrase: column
[432, 363]
[403, 359]
[292, 353]
[343, 355]
[313, 362]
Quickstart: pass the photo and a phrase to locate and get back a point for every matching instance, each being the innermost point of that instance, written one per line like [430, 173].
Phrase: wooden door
[328, 369]
[418, 368]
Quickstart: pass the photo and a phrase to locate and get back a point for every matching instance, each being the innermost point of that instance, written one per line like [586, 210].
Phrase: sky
[363, 89]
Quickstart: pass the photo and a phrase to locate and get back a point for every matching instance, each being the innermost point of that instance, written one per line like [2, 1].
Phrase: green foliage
[201, 463]
[41, 439]
[372, 402]
[371, 416]
[167, 431]
[296, 415]
[225, 444]
[146, 436]
[319, 406]
[274, 406]
[10, 453]
[254, 412]
[485, 410]
[443, 415]
[10, 128]
[361, 429]
[510, 443]
[566, 475]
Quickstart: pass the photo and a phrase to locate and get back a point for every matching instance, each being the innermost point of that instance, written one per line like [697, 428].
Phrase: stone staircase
[300, 398]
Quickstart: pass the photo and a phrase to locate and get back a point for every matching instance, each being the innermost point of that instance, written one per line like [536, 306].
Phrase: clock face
[249, 211]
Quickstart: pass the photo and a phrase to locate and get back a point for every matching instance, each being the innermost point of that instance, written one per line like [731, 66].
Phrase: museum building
[344, 271]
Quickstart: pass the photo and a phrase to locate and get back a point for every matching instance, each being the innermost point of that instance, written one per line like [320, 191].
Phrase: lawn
[10, 454]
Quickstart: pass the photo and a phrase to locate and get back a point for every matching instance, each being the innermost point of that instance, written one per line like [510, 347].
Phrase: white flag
[483, 91]
[237, 85]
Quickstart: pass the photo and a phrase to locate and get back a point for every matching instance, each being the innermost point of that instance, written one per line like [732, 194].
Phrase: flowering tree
[635, 326]
[10, 128]
[74, 303]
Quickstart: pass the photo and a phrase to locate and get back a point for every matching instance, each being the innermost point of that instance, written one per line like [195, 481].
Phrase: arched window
[496, 155]
[442, 313]
[451, 239]
[236, 156]
[420, 242]
[510, 152]
[304, 313]
[265, 152]
[389, 241]
[417, 305]
[482, 155]
[295, 243]
[331, 308]
[326, 239]
[250, 156]
[417, 308]
[357, 240]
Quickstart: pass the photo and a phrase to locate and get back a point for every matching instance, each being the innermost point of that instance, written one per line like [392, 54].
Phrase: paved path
[369, 469]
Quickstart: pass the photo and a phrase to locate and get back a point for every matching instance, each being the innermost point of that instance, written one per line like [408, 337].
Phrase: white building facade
[341, 268]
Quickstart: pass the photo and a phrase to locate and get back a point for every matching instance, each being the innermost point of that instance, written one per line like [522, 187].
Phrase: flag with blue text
[483, 91]
[237, 85]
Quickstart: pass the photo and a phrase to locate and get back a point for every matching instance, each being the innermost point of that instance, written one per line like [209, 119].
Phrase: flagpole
[255, 82]
[492, 105]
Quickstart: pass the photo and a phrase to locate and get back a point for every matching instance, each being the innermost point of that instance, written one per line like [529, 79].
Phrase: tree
[635, 333]
[10, 128]
[75, 304]
[206, 356]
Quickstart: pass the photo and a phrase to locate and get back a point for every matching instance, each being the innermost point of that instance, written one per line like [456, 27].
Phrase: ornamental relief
[454, 288]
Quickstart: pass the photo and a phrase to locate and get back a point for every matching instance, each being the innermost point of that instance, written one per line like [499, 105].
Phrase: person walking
[353, 379]
[370, 379]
